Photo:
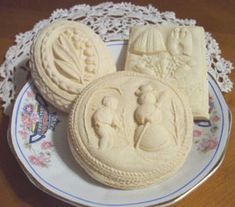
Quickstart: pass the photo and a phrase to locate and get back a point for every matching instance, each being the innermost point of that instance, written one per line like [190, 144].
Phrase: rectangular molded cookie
[175, 53]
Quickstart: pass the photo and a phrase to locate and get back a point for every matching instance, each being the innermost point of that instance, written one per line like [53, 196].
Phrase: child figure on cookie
[106, 122]
[150, 134]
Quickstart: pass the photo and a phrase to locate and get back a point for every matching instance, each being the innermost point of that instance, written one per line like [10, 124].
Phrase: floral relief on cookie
[75, 56]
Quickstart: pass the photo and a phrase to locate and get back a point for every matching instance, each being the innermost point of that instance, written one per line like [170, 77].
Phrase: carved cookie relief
[75, 57]
[65, 57]
[163, 60]
[148, 42]
[148, 116]
[129, 130]
[173, 53]
[106, 122]
[180, 42]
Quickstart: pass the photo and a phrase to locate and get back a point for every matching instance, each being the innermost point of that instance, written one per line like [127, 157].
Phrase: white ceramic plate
[38, 139]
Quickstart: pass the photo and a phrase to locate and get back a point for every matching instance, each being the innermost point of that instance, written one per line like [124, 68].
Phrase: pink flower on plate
[34, 118]
[197, 133]
[28, 109]
[40, 160]
[30, 94]
[23, 134]
[209, 144]
[215, 118]
[27, 122]
[35, 160]
[212, 143]
[46, 145]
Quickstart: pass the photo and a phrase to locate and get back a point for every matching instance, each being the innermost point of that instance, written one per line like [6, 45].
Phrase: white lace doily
[112, 22]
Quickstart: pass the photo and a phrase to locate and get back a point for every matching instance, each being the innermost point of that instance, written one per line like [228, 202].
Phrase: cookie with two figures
[65, 57]
[129, 130]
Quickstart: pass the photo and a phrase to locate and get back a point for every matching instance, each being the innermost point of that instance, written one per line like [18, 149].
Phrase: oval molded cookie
[130, 130]
[65, 57]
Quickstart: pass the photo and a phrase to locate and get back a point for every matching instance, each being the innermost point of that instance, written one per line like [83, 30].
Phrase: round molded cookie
[129, 130]
[65, 57]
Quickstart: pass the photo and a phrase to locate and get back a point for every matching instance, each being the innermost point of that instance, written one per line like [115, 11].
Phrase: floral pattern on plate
[36, 119]
[205, 132]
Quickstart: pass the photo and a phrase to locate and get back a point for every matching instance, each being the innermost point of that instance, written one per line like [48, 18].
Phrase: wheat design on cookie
[65, 57]
[130, 130]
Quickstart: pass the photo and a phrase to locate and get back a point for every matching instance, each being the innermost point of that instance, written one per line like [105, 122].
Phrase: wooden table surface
[217, 17]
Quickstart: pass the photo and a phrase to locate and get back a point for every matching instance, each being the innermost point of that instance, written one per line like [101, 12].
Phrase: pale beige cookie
[65, 57]
[129, 130]
[176, 53]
